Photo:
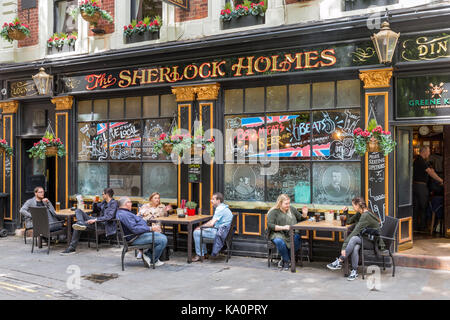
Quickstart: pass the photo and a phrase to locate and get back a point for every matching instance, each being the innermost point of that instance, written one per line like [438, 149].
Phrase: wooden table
[311, 226]
[189, 221]
[69, 215]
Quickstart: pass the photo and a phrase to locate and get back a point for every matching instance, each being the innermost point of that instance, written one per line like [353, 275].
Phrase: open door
[404, 172]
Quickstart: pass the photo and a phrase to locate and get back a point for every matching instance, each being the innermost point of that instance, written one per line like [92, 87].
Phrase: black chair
[388, 235]
[228, 240]
[127, 245]
[272, 249]
[42, 227]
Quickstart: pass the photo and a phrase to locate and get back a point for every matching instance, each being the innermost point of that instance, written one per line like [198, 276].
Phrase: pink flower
[162, 136]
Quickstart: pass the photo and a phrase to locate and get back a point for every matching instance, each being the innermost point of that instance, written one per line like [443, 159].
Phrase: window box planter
[139, 37]
[242, 22]
[63, 49]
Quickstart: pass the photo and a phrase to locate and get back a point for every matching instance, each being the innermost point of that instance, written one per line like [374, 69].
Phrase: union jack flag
[102, 127]
[319, 150]
[259, 121]
[125, 143]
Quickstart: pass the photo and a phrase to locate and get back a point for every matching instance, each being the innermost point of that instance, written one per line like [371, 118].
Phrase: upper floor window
[64, 22]
[364, 4]
[145, 8]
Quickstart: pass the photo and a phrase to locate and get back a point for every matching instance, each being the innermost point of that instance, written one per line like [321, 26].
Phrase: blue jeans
[160, 243]
[207, 233]
[283, 250]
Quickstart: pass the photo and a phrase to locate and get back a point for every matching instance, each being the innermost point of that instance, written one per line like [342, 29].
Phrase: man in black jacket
[105, 219]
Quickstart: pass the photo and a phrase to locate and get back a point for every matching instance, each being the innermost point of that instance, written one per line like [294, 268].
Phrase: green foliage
[372, 125]
[191, 205]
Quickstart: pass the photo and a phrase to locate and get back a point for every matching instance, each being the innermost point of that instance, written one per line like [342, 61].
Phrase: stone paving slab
[24, 275]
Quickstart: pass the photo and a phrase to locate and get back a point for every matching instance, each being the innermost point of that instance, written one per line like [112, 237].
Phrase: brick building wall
[107, 5]
[198, 9]
[23, 15]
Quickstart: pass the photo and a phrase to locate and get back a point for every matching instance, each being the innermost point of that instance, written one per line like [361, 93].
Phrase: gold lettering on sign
[22, 89]
[424, 49]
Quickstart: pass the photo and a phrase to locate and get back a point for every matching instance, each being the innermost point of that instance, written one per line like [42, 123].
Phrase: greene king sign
[426, 96]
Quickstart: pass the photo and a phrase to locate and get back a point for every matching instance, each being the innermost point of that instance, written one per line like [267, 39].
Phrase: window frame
[56, 16]
[311, 110]
[108, 120]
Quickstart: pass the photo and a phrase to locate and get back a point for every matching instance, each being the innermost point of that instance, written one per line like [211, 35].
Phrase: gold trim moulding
[9, 107]
[376, 78]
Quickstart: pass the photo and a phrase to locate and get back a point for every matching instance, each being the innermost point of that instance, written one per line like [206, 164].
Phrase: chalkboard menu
[377, 162]
[194, 173]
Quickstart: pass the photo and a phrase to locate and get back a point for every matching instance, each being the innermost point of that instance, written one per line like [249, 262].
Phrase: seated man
[39, 201]
[222, 217]
[105, 220]
[136, 228]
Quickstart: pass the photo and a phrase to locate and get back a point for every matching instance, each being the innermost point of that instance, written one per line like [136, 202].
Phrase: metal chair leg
[393, 263]
[362, 258]
[32, 245]
[123, 257]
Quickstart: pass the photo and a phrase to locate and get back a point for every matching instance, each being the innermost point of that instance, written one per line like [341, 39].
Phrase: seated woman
[152, 210]
[279, 219]
[350, 248]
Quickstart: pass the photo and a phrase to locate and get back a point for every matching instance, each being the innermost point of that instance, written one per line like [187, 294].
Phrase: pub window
[315, 123]
[349, 5]
[64, 22]
[145, 8]
[115, 140]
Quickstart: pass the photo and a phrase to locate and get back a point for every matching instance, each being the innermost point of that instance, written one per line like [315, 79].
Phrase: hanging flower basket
[168, 147]
[15, 31]
[51, 151]
[373, 145]
[5, 148]
[91, 12]
[48, 146]
[373, 139]
[176, 143]
[16, 34]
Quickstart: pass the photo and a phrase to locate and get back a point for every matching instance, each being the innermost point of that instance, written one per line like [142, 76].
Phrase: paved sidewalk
[40, 276]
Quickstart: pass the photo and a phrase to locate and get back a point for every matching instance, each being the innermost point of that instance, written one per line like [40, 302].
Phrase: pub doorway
[36, 172]
[428, 236]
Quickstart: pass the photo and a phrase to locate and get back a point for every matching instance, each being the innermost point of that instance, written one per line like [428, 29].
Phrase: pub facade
[281, 102]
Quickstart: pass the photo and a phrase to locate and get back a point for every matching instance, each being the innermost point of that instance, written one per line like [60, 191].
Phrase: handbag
[370, 233]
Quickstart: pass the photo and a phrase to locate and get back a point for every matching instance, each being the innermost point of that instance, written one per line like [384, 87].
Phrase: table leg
[174, 234]
[189, 243]
[346, 264]
[69, 229]
[311, 233]
[291, 236]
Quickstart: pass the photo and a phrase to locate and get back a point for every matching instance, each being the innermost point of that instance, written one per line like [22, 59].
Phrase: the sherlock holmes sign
[265, 64]
[427, 96]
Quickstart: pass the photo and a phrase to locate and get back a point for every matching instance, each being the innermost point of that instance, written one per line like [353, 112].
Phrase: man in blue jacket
[105, 220]
[222, 217]
[136, 228]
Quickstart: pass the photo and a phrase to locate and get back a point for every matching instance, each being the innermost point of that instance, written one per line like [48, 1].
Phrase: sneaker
[68, 251]
[353, 275]
[79, 227]
[159, 263]
[336, 265]
[280, 263]
[286, 265]
[147, 261]
[139, 255]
